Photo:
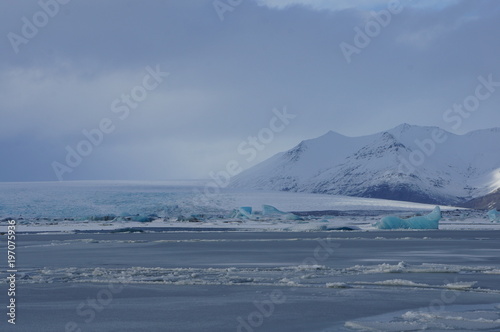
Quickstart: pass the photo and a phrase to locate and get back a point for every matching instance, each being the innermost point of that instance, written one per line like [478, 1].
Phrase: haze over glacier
[408, 162]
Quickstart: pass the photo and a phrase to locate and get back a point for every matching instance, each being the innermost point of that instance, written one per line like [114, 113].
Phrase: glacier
[494, 215]
[429, 221]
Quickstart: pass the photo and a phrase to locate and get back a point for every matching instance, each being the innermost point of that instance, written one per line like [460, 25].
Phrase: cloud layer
[226, 77]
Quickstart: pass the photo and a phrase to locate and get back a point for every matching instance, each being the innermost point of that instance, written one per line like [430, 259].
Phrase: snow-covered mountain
[410, 163]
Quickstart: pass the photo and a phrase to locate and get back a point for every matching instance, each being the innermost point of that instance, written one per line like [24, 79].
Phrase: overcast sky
[65, 69]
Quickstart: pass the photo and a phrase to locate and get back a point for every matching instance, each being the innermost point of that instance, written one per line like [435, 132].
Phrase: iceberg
[494, 215]
[430, 221]
[244, 212]
[269, 210]
[291, 216]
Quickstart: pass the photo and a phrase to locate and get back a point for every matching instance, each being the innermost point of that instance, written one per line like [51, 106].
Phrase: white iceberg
[494, 215]
[430, 221]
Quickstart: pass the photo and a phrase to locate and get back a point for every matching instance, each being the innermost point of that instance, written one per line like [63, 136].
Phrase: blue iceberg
[430, 221]
[244, 212]
[291, 216]
[269, 210]
[494, 215]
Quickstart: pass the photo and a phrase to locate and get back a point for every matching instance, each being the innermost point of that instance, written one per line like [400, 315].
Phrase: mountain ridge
[413, 163]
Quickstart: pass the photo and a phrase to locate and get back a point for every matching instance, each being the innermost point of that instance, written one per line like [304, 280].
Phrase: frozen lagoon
[258, 281]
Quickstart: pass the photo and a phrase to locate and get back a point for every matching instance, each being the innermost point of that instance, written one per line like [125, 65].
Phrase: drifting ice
[494, 215]
[430, 221]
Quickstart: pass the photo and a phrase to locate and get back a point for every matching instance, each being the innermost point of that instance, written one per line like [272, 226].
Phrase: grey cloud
[225, 79]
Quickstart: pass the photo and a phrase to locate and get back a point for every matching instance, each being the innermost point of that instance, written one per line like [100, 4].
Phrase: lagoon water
[257, 281]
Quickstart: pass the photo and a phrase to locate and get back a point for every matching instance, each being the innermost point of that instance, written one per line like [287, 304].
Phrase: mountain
[409, 163]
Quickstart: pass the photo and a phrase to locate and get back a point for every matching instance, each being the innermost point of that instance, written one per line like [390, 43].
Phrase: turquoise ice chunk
[430, 221]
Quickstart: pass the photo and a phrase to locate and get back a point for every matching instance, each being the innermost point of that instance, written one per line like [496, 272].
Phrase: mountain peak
[332, 133]
[403, 127]
[450, 172]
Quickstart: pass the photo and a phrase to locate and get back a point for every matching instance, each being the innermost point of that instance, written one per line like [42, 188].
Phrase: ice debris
[430, 221]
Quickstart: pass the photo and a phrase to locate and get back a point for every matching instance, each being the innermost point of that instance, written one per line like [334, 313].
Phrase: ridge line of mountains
[407, 163]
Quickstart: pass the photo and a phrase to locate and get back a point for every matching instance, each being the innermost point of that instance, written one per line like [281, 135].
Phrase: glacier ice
[494, 215]
[291, 216]
[429, 221]
[244, 212]
[269, 210]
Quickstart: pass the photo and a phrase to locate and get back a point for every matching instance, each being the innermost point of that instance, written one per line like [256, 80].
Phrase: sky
[157, 90]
